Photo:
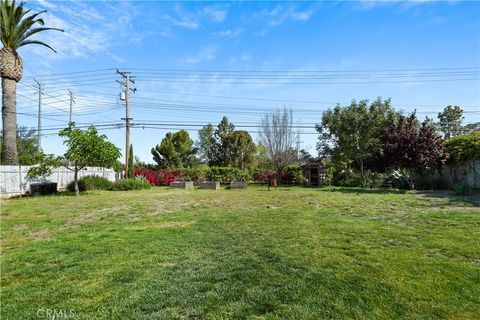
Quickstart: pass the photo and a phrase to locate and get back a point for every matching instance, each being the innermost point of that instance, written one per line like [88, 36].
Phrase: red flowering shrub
[150, 175]
[167, 177]
[265, 177]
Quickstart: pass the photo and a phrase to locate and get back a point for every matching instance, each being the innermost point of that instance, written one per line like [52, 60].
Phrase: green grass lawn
[290, 253]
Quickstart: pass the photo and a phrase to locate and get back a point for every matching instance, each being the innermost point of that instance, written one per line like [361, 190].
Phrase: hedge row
[292, 175]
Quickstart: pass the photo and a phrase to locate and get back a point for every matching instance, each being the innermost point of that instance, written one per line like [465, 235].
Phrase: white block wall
[13, 179]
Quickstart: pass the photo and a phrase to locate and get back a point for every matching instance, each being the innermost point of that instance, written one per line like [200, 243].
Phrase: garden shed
[314, 172]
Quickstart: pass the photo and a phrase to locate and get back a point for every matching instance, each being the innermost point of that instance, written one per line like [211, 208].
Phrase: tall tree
[242, 149]
[175, 151]
[206, 144]
[471, 127]
[352, 133]
[412, 146]
[280, 138]
[223, 143]
[16, 28]
[450, 121]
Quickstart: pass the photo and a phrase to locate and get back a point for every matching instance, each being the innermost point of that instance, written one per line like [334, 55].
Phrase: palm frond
[16, 26]
[32, 32]
[25, 42]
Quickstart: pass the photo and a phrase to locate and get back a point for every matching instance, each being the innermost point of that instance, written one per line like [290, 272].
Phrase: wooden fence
[468, 173]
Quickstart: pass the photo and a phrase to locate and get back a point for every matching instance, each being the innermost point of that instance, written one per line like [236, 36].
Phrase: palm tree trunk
[9, 121]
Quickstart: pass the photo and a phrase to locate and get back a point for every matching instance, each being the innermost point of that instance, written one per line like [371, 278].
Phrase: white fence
[13, 179]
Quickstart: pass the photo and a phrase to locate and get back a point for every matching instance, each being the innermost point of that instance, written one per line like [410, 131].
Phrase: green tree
[16, 28]
[175, 151]
[225, 146]
[242, 149]
[464, 147]
[206, 144]
[84, 148]
[27, 146]
[352, 133]
[223, 143]
[471, 127]
[87, 148]
[450, 121]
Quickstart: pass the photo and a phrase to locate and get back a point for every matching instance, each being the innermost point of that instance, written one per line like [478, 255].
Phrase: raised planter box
[39, 189]
[215, 185]
[182, 184]
[238, 185]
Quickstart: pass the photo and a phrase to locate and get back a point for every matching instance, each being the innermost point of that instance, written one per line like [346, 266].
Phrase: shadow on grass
[472, 199]
[367, 191]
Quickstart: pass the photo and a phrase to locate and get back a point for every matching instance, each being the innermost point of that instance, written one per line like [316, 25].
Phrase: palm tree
[15, 30]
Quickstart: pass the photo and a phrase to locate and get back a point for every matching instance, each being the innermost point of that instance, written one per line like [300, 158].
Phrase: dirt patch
[93, 216]
[174, 205]
[19, 227]
[40, 235]
[448, 197]
[168, 224]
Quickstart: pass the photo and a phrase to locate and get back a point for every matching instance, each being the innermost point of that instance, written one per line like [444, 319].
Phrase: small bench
[214, 185]
[182, 184]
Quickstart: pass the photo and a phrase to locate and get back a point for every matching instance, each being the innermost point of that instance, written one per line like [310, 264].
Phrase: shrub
[150, 175]
[264, 177]
[227, 174]
[168, 176]
[293, 174]
[90, 183]
[136, 183]
[195, 174]
[354, 179]
[461, 188]
[463, 148]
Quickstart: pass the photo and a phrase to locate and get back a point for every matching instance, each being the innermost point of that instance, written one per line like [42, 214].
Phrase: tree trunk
[77, 191]
[412, 180]
[9, 121]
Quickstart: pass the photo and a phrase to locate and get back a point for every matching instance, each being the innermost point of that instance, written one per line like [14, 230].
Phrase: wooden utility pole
[126, 93]
[39, 128]
[72, 101]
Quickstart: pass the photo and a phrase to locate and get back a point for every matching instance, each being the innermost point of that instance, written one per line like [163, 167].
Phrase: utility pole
[72, 101]
[39, 129]
[126, 94]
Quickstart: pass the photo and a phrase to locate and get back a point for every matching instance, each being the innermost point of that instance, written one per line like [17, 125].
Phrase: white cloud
[45, 4]
[205, 54]
[215, 14]
[280, 14]
[185, 23]
[86, 30]
[229, 33]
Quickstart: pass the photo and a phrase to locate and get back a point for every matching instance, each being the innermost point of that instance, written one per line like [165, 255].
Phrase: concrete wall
[13, 179]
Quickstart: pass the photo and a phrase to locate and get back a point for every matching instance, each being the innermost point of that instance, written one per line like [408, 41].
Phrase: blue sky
[241, 59]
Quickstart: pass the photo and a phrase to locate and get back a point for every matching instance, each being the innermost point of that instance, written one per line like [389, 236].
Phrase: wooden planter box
[214, 185]
[238, 185]
[182, 184]
[38, 189]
